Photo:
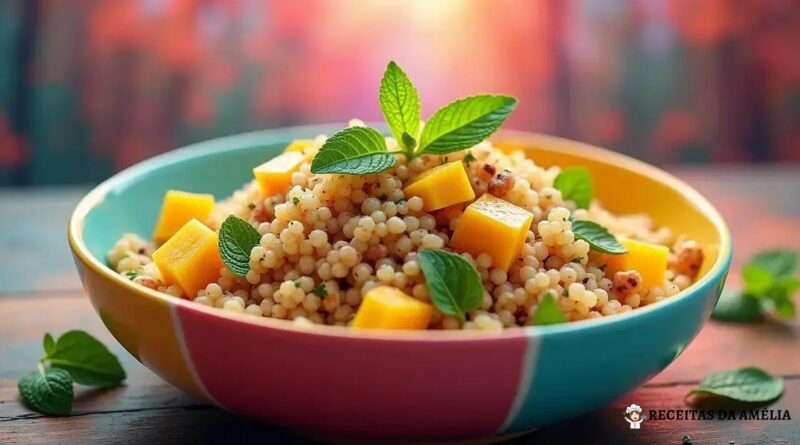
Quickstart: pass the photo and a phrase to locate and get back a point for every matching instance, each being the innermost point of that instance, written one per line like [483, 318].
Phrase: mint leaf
[236, 239]
[598, 237]
[464, 123]
[575, 184]
[548, 312]
[48, 343]
[400, 105]
[453, 283]
[321, 291]
[48, 391]
[737, 307]
[757, 280]
[353, 151]
[749, 385]
[780, 296]
[409, 141]
[779, 263]
[87, 360]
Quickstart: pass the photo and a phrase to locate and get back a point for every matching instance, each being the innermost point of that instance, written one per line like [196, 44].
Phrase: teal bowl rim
[245, 141]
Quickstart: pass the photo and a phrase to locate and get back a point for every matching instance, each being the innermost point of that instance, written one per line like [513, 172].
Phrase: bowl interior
[132, 199]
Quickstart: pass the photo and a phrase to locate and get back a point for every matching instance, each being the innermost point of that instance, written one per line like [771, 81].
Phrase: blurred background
[88, 87]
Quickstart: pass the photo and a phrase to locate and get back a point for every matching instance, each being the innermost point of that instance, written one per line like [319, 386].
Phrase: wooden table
[40, 292]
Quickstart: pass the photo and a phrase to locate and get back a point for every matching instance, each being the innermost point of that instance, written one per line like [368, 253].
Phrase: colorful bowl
[421, 385]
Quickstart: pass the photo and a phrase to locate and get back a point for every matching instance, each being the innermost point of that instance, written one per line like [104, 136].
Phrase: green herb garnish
[353, 151]
[400, 105]
[75, 357]
[321, 291]
[548, 311]
[577, 260]
[296, 200]
[458, 125]
[469, 158]
[453, 283]
[236, 239]
[464, 123]
[598, 237]
[769, 284]
[748, 385]
[131, 274]
[575, 184]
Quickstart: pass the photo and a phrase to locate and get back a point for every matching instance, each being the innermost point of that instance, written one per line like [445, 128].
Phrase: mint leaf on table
[237, 238]
[779, 263]
[75, 357]
[87, 360]
[575, 184]
[48, 391]
[353, 151]
[747, 385]
[464, 123]
[598, 237]
[400, 105]
[757, 280]
[548, 312]
[738, 307]
[453, 283]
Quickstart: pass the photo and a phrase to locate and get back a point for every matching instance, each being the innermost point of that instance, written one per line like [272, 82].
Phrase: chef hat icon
[632, 408]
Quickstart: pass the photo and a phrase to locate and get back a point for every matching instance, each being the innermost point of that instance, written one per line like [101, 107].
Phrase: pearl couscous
[327, 240]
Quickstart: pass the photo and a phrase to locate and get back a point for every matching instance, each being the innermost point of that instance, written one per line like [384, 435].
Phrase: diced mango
[299, 146]
[441, 186]
[178, 208]
[493, 226]
[386, 307]
[190, 258]
[650, 260]
[275, 175]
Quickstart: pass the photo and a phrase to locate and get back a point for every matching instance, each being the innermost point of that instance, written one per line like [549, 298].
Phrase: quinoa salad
[417, 234]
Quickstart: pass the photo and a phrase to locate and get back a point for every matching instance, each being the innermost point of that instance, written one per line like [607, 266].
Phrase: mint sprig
[236, 239]
[769, 284]
[400, 105]
[75, 357]
[464, 123]
[453, 283]
[575, 184]
[456, 126]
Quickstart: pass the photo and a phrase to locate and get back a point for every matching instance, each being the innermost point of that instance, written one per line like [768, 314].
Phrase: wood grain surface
[762, 206]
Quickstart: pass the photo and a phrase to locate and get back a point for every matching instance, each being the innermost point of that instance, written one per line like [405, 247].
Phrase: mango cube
[190, 258]
[275, 175]
[493, 226]
[386, 307]
[299, 146]
[650, 260]
[442, 186]
[178, 208]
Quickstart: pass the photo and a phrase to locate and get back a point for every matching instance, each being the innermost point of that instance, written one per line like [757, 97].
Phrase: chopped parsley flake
[321, 291]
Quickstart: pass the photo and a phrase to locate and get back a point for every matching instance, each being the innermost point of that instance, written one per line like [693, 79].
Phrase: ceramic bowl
[421, 385]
